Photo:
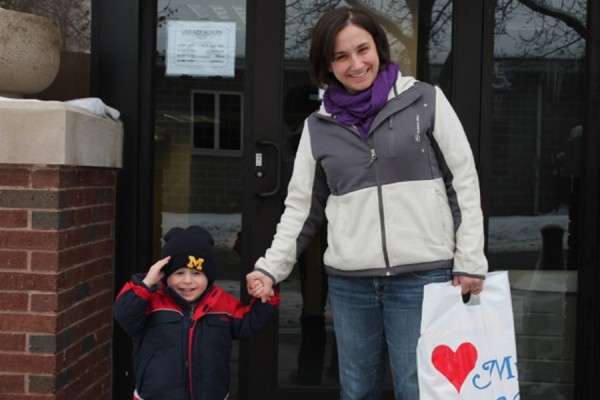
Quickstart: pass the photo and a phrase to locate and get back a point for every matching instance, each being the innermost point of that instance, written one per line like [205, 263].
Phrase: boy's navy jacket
[180, 354]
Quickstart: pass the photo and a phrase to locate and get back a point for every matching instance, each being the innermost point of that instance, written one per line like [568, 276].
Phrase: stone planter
[29, 53]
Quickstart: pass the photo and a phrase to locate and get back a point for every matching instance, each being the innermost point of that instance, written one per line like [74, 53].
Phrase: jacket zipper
[373, 157]
[371, 143]
[380, 203]
[190, 332]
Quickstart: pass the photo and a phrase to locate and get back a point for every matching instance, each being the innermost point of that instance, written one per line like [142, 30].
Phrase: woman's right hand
[259, 285]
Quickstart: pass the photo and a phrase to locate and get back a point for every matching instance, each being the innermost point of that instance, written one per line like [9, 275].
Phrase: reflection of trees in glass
[555, 28]
[430, 20]
[539, 46]
[399, 19]
[72, 16]
[165, 11]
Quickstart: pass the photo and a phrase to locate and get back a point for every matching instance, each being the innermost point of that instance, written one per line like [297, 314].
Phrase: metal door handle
[275, 146]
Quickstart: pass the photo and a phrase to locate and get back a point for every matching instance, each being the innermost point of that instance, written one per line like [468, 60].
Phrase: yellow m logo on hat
[195, 263]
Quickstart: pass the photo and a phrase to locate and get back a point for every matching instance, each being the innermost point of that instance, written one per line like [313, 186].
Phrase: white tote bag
[467, 351]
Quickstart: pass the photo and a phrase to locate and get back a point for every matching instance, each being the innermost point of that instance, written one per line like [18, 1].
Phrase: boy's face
[188, 283]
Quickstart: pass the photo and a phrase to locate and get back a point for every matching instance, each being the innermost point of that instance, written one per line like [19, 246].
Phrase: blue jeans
[374, 317]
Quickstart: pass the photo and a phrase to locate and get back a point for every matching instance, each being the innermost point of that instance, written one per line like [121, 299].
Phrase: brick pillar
[56, 253]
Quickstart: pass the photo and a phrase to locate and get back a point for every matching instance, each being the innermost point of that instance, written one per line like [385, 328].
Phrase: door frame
[265, 34]
[122, 75]
[587, 353]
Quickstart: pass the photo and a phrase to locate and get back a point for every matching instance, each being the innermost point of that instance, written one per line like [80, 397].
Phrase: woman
[386, 161]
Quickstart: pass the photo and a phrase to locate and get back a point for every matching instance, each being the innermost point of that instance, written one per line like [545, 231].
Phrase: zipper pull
[373, 157]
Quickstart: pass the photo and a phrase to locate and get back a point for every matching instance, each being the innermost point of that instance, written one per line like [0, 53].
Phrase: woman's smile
[355, 60]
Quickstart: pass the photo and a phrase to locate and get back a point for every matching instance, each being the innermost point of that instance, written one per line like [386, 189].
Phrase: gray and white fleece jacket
[407, 199]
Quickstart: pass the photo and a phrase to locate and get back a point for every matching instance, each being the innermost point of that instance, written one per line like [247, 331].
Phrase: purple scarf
[360, 109]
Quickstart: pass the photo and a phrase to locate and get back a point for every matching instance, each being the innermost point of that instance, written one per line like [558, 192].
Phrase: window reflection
[216, 121]
[537, 115]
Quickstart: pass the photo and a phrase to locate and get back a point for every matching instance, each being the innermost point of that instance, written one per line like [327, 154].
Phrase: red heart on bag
[455, 366]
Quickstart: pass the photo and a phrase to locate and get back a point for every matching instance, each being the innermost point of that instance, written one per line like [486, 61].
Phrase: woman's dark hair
[325, 33]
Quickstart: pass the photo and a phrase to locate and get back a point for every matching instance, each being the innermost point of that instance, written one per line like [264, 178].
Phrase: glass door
[534, 185]
[198, 128]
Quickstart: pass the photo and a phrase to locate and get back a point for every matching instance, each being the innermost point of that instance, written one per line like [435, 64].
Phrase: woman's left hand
[468, 284]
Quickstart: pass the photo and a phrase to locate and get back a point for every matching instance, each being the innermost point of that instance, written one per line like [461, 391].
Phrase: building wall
[56, 281]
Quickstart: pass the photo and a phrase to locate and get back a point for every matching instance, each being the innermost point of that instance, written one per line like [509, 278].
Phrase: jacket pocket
[218, 330]
[162, 345]
[160, 371]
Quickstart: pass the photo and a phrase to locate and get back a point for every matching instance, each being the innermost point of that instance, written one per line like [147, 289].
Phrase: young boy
[183, 324]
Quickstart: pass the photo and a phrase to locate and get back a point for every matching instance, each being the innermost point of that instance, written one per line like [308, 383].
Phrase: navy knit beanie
[190, 248]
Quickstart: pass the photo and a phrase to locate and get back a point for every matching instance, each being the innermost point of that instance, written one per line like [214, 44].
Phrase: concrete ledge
[55, 133]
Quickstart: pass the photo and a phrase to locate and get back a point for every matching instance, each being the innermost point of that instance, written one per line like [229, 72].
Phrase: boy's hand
[155, 273]
[259, 285]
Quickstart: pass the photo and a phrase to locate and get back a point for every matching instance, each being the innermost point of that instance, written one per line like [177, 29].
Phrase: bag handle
[446, 296]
